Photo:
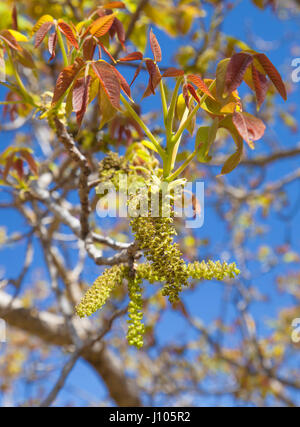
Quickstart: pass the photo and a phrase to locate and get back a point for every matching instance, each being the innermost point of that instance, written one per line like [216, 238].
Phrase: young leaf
[199, 83]
[136, 73]
[118, 27]
[2, 67]
[249, 127]
[78, 94]
[68, 32]
[41, 33]
[25, 58]
[173, 72]
[107, 110]
[134, 56]
[18, 166]
[192, 91]
[30, 160]
[261, 85]
[220, 77]
[65, 79]
[8, 165]
[154, 77]
[236, 69]
[272, 73]
[109, 81]
[81, 97]
[102, 25]
[40, 22]
[14, 17]
[52, 42]
[232, 162]
[124, 85]
[185, 94]
[88, 48]
[18, 36]
[10, 40]
[114, 5]
[155, 47]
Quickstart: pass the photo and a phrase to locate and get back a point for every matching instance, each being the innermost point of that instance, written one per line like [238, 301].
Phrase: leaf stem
[62, 48]
[181, 167]
[171, 112]
[163, 100]
[145, 128]
[186, 123]
[22, 88]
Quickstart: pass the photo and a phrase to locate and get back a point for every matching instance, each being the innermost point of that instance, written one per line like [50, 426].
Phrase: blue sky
[283, 35]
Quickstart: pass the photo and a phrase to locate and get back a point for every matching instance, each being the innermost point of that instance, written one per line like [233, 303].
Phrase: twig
[82, 161]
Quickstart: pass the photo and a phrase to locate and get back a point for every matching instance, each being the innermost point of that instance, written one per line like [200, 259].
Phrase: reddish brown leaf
[30, 160]
[18, 166]
[155, 47]
[124, 85]
[41, 33]
[114, 5]
[8, 165]
[241, 126]
[134, 56]
[185, 94]
[249, 127]
[80, 102]
[173, 72]
[65, 79]
[52, 42]
[78, 94]
[10, 40]
[14, 16]
[120, 32]
[192, 91]
[260, 85]
[109, 81]
[88, 48]
[108, 53]
[136, 73]
[102, 25]
[236, 69]
[68, 32]
[199, 83]
[272, 73]
[25, 58]
[154, 77]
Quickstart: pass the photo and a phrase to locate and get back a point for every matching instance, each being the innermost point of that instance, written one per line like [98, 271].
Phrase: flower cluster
[111, 167]
[154, 236]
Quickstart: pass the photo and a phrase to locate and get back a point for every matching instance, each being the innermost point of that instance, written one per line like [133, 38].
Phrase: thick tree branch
[52, 329]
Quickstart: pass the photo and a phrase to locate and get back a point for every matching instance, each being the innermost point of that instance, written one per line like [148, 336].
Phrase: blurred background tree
[226, 343]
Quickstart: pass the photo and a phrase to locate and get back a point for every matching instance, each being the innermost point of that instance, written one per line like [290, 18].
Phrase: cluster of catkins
[164, 263]
[154, 236]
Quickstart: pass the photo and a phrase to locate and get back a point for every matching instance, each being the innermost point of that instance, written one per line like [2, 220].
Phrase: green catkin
[136, 328]
[97, 295]
[154, 236]
[212, 270]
